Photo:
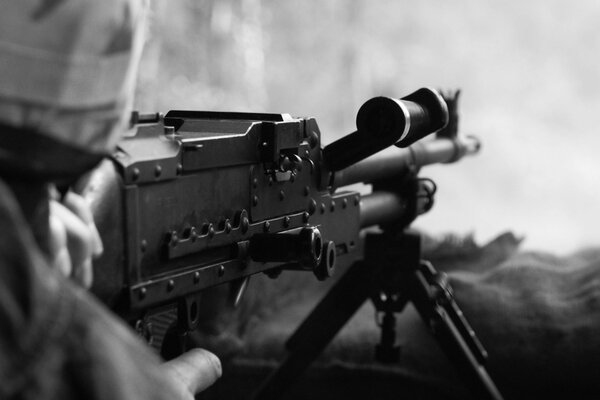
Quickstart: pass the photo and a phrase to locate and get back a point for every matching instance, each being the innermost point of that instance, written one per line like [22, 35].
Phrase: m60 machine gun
[206, 198]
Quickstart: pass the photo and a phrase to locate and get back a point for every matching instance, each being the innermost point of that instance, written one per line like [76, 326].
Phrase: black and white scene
[261, 200]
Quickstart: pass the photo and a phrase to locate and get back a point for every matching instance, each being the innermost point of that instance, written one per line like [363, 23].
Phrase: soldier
[67, 73]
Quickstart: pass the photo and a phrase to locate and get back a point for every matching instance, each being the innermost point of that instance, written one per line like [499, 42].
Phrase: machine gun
[197, 199]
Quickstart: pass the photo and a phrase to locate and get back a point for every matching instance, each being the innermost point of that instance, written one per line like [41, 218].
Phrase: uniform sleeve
[56, 341]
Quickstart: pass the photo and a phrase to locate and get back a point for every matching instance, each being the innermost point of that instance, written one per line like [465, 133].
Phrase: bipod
[391, 274]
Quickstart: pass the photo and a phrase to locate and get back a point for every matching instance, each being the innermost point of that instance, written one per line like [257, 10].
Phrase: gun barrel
[382, 207]
[396, 162]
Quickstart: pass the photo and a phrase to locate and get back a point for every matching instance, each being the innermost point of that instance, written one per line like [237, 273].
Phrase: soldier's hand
[194, 371]
[74, 239]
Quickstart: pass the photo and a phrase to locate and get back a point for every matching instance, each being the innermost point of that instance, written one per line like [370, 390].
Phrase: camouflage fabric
[68, 68]
[56, 341]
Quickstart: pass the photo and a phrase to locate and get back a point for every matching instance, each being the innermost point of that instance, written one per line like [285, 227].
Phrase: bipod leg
[329, 316]
[432, 296]
[403, 273]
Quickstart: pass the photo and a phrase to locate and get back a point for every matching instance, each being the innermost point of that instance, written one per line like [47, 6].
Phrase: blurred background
[528, 72]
